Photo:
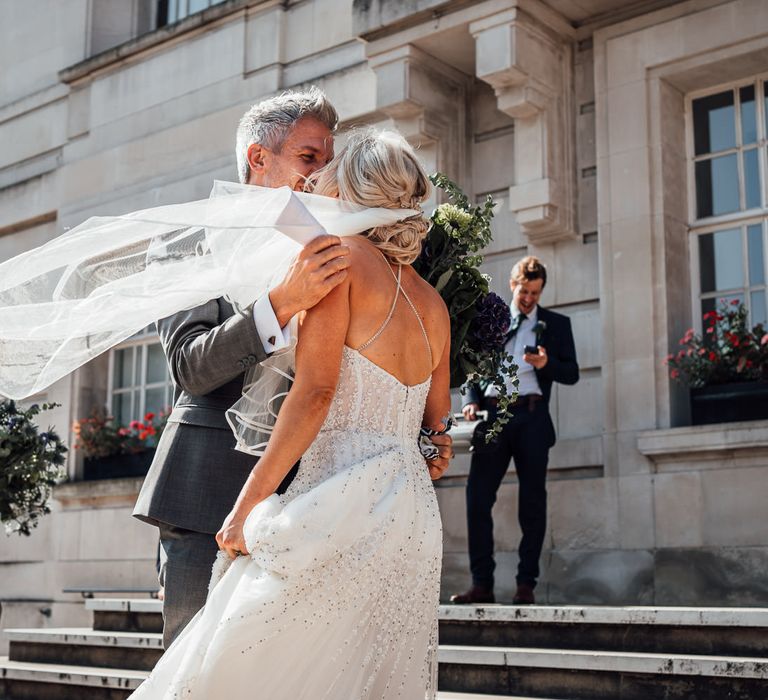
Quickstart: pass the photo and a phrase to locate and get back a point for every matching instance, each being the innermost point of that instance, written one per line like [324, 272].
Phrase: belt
[529, 401]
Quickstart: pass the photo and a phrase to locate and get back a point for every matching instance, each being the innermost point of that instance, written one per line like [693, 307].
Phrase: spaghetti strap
[398, 291]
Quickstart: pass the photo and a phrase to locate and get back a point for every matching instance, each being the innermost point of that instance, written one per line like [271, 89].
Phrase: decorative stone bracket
[530, 67]
[427, 100]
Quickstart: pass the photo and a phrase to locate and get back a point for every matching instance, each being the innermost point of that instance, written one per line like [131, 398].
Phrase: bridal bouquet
[480, 319]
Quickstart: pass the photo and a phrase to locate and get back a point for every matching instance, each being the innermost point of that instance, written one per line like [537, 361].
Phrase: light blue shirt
[526, 373]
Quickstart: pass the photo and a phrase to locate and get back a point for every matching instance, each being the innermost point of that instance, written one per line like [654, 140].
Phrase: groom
[196, 475]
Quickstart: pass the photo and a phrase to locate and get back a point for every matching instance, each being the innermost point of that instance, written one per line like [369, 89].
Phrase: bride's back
[380, 169]
[402, 348]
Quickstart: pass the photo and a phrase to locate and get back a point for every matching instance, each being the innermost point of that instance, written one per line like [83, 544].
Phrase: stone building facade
[625, 143]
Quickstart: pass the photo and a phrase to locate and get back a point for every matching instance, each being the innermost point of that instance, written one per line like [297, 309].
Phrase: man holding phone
[541, 342]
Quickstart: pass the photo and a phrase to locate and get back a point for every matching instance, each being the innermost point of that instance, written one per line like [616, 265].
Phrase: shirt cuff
[273, 338]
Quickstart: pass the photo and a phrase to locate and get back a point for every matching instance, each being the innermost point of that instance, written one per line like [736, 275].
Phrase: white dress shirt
[526, 373]
[272, 336]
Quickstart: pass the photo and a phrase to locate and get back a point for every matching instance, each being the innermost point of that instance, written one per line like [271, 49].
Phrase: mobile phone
[531, 350]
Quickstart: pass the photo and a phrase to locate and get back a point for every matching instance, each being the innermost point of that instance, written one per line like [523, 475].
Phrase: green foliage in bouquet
[480, 319]
[31, 464]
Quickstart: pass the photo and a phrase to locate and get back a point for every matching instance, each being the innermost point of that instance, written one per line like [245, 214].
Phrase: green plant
[31, 464]
[100, 436]
[727, 351]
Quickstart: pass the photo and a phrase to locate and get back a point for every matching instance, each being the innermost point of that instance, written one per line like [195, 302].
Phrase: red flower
[710, 315]
[122, 432]
[735, 302]
[149, 417]
[764, 340]
[712, 356]
[134, 425]
[711, 329]
[143, 435]
[674, 374]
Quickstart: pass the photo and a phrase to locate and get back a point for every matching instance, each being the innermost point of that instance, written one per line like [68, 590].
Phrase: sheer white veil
[66, 302]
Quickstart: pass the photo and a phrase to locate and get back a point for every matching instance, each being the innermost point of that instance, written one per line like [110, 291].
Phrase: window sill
[118, 54]
[700, 447]
[101, 493]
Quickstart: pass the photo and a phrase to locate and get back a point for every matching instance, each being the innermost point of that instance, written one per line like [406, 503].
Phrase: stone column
[529, 62]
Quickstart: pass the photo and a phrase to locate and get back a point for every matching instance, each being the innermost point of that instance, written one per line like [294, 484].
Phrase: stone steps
[86, 647]
[712, 631]
[38, 681]
[486, 652]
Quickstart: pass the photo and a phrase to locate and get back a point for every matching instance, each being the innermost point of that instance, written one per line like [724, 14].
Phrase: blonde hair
[380, 169]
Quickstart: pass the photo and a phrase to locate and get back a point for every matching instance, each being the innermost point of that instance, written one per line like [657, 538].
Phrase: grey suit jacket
[197, 474]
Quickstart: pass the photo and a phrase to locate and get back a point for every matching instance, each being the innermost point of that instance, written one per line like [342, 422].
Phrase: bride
[333, 587]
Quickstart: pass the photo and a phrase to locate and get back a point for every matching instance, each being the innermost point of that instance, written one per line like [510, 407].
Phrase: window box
[117, 466]
[728, 403]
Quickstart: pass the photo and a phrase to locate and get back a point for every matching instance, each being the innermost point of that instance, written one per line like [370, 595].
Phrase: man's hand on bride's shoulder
[319, 267]
[437, 467]
[230, 537]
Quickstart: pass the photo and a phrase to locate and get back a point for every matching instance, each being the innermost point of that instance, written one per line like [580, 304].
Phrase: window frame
[741, 219]
[142, 341]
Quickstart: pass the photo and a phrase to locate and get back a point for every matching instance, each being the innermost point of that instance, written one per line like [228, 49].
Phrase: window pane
[751, 179]
[155, 400]
[122, 408]
[755, 254]
[758, 307]
[720, 260]
[748, 116]
[173, 11]
[156, 368]
[197, 5]
[713, 123]
[717, 186]
[123, 373]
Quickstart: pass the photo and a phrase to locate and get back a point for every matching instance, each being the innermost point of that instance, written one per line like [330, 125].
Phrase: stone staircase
[486, 652]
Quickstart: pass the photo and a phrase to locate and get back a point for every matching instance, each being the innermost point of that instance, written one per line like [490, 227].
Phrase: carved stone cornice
[529, 64]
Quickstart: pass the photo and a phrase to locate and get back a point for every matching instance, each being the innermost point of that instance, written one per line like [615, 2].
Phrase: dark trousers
[186, 563]
[525, 440]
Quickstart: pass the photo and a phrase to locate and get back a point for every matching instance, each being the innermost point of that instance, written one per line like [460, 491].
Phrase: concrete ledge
[704, 442]
[70, 675]
[104, 493]
[578, 614]
[87, 637]
[135, 605]
[606, 661]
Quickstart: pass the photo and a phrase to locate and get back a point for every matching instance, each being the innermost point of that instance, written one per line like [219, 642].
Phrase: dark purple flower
[491, 325]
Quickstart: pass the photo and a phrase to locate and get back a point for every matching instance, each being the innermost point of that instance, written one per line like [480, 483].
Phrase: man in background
[541, 343]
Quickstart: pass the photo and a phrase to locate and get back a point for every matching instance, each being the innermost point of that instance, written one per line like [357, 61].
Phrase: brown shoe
[524, 595]
[474, 596]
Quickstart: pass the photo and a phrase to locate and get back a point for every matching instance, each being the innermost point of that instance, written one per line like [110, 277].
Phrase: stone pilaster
[427, 101]
[529, 63]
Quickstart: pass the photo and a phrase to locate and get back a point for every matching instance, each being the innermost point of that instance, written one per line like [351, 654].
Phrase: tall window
[139, 379]
[170, 11]
[730, 226]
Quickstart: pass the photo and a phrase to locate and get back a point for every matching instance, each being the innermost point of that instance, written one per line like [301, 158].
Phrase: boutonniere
[539, 328]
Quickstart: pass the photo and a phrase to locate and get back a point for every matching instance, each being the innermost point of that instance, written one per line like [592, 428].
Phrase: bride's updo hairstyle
[380, 169]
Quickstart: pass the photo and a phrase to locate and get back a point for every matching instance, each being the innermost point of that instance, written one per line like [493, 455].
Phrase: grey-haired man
[196, 474]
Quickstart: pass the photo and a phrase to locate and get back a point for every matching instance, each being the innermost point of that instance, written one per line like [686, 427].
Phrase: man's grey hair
[269, 122]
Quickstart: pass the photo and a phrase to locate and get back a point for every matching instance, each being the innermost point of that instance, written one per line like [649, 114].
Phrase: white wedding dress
[338, 597]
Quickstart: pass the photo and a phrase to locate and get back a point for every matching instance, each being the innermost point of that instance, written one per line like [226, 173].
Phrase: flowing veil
[66, 302]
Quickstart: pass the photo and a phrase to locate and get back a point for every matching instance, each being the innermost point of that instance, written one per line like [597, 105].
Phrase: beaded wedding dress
[338, 597]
